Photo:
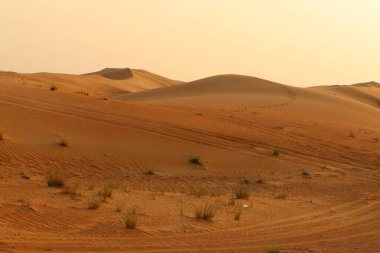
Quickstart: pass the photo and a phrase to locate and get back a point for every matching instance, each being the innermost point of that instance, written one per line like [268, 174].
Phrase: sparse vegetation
[196, 191]
[281, 196]
[25, 202]
[351, 134]
[272, 249]
[376, 139]
[252, 145]
[71, 189]
[276, 151]
[105, 191]
[195, 160]
[149, 171]
[206, 212]
[119, 203]
[130, 219]
[237, 212]
[93, 202]
[53, 87]
[242, 192]
[231, 202]
[54, 179]
[305, 173]
[63, 142]
[246, 180]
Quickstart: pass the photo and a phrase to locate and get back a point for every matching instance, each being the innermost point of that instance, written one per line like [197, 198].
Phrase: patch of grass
[54, 179]
[105, 191]
[205, 212]
[53, 87]
[119, 203]
[130, 219]
[242, 192]
[231, 202]
[272, 249]
[63, 142]
[71, 189]
[196, 191]
[281, 196]
[195, 160]
[93, 202]
[25, 202]
[276, 151]
[351, 134]
[246, 180]
[149, 171]
[237, 212]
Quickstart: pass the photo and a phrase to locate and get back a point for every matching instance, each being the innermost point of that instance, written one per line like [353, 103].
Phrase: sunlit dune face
[297, 42]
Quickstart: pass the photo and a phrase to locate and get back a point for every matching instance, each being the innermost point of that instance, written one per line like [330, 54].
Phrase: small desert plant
[246, 180]
[276, 152]
[53, 87]
[195, 160]
[25, 202]
[206, 212]
[196, 191]
[272, 249]
[71, 189]
[149, 171]
[93, 202]
[237, 212]
[376, 139]
[54, 179]
[231, 202]
[351, 134]
[305, 173]
[63, 142]
[242, 192]
[130, 219]
[104, 98]
[119, 203]
[105, 191]
[252, 145]
[91, 186]
[281, 196]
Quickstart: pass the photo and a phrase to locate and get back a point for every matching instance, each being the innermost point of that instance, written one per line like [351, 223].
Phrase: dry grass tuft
[272, 249]
[119, 203]
[276, 152]
[93, 202]
[149, 171]
[196, 191]
[54, 179]
[105, 191]
[130, 219]
[206, 212]
[195, 160]
[71, 189]
[242, 192]
[25, 202]
[63, 142]
[237, 212]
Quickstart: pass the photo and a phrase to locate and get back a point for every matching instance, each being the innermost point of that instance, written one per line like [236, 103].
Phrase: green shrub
[53, 87]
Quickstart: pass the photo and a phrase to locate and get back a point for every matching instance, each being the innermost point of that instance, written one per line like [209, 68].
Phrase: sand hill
[309, 157]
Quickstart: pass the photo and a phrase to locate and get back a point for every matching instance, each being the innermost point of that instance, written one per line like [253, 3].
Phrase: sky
[296, 42]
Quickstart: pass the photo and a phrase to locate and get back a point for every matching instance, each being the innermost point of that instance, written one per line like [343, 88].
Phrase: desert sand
[319, 194]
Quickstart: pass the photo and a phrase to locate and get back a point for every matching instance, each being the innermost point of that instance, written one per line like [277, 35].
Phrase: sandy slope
[336, 208]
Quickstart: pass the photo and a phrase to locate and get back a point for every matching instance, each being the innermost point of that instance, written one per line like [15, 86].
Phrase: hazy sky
[297, 42]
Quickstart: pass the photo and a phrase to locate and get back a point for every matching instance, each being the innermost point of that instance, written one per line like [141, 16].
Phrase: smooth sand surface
[321, 194]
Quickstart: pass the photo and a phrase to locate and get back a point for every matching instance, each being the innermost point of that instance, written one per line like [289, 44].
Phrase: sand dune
[319, 195]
